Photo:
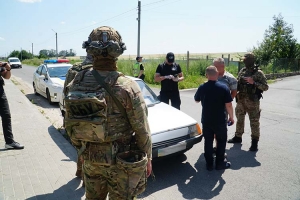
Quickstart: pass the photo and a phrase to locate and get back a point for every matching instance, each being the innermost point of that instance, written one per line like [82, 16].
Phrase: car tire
[34, 89]
[48, 96]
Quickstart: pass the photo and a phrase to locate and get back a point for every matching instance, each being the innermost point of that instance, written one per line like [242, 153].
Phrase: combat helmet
[104, 42]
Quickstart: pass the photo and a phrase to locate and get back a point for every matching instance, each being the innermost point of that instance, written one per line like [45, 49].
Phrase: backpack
[87, 117]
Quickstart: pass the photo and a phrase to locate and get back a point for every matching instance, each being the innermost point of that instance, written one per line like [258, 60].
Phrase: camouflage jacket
[129, 94]
[246, 89]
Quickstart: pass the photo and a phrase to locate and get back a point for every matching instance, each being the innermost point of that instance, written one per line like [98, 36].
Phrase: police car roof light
[57, 61]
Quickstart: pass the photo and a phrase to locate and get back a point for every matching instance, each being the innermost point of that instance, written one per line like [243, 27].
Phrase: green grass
[193, 76]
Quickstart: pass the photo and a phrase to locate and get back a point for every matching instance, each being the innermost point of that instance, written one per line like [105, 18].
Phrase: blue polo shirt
[213, 96]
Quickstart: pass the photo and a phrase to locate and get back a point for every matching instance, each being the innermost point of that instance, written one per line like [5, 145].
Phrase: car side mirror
[42, 77]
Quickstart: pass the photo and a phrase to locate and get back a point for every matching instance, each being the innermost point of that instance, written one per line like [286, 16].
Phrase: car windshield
[14, 60]
[149, 95]
[58, 71]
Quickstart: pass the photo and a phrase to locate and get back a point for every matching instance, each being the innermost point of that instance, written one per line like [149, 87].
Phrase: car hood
[163, 117]
[59, 80]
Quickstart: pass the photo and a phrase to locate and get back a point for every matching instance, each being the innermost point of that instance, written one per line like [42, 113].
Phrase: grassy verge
[193, 76]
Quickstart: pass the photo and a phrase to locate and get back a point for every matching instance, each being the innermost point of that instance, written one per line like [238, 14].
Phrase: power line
[98, 22]
[45, 41]
[162, 5]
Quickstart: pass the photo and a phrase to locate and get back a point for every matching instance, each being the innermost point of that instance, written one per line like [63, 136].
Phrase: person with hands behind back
[215, 97]
[10, 143]
[169, 74]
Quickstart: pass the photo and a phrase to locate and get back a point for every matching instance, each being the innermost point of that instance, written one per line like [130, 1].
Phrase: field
[234, 56]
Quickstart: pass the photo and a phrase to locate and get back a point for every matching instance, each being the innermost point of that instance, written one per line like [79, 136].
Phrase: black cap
[138, 57]
[170, 57]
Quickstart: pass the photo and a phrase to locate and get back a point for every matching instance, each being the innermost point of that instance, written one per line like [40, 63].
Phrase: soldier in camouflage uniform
[251, 83]
[77, 67]
[99, 129]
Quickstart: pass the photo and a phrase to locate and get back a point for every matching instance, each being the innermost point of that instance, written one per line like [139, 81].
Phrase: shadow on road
[41, 101]
[192, 182]
[240, 158]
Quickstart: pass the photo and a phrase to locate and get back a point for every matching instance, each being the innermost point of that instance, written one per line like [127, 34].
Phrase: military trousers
[101, 181]
[252, 108]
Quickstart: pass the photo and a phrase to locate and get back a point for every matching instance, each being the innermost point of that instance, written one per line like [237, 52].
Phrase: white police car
[173, 131]
[49, 78]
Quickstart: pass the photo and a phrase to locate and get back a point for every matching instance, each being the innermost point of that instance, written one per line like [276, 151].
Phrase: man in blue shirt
[214, 97]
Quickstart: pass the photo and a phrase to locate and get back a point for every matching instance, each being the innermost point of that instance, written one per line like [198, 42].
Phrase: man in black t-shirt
[214, 97]
[169, 74]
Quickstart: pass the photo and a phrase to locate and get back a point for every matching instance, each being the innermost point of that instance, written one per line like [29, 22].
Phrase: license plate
[172, 149]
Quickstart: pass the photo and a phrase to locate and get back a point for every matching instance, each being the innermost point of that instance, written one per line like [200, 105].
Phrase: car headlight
[195, 130]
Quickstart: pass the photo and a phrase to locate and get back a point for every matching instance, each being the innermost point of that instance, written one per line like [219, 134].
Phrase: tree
[278, 42]
[22, 55]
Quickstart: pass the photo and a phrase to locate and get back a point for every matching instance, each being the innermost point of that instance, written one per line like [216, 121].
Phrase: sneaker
[14, 145]
[224, 165]
[235, 139]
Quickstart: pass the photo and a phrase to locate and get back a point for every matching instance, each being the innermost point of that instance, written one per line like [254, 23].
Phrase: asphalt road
[271, 173]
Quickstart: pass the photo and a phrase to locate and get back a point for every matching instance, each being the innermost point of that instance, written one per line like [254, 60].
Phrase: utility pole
[139, 28]
[32, 49]
[56, 44]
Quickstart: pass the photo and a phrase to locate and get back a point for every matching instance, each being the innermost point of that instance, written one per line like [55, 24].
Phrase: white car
[173, 131]
[14, 62]
[49, 78]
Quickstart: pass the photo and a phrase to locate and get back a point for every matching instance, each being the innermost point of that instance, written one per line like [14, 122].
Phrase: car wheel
[48, 97]
[34, 89]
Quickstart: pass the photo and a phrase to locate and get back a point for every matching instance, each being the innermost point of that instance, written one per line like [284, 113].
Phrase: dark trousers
[142, 77]
[6, 117]
[221, 136]
[166, 96]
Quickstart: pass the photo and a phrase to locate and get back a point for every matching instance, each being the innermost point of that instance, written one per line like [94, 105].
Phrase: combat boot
[235, 139]
[253, 145]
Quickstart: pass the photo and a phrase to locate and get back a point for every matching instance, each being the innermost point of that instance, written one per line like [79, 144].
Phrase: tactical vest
[248, 89]
[136, 69]
[91, 112]
[77, 67]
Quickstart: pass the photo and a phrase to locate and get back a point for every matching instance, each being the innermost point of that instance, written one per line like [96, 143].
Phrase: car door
[36, 79]
[43, 81]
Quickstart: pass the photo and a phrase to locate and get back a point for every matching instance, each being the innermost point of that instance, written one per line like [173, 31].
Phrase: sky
[178, 26]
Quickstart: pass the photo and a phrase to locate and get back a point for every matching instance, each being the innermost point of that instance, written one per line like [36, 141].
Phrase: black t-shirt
[141, 67]
[165, 70]
[213, 96]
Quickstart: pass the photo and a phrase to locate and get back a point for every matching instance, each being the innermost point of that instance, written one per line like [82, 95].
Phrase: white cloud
[30, 1]
[62, 22]
[1, 38]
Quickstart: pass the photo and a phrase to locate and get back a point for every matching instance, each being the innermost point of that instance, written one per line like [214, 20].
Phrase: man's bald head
[212, 73]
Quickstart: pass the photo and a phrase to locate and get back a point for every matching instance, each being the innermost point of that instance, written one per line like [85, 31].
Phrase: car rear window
[58, 71]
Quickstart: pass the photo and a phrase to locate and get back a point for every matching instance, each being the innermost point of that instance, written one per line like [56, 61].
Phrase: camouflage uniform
[104, 170]
[248, 99]
[77, 67]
